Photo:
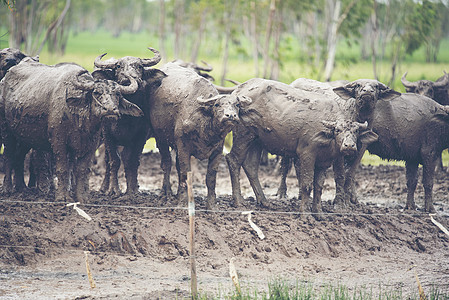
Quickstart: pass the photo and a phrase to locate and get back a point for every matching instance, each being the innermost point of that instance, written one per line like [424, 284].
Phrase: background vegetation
[276, 39]
[241, 39]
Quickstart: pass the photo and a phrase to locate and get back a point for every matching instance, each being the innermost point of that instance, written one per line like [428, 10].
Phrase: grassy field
[83, 47]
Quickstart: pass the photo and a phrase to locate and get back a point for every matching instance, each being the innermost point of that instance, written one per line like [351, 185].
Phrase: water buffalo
[128, 131]
[10, 57]
[415, 129]
[58, 109]
[189, 115]
[358, 100]
[296, 124]
[438, 91]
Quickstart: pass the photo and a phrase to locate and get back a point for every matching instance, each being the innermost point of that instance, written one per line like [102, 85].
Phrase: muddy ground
[139, 249]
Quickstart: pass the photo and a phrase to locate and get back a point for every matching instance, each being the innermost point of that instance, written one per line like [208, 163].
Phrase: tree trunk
[275, 69]
[162, 28]
[197, 44]
[334, 10]
[254, 39]
[374, 38]
[228, 16]
[266, 50]
[55, 25]
[179, 16]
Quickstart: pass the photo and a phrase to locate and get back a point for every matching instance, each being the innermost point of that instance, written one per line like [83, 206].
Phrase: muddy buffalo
[358, 100]
[296, 124]
[10, 57]
[414, 129]
[128, 131]
[58, 109]
[438, 91]
[189, 115]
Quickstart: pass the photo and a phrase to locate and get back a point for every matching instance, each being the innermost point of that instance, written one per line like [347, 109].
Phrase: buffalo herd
[63, 113]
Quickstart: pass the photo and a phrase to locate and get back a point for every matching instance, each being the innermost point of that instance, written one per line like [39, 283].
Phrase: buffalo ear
[344, 92]
[388, 94]
[153, 76]
[128, 108]
[441, 114]
[75, 98]
[209, 102]
[368, 136]
[324, 137]
[106, 74]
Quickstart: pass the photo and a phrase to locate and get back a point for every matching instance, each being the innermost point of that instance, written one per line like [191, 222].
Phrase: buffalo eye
[217, 104]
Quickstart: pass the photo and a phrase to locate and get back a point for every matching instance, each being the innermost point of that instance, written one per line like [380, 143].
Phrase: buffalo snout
[348, 148]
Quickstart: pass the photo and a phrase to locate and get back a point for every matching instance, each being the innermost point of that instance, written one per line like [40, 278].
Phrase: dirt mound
[143, 239]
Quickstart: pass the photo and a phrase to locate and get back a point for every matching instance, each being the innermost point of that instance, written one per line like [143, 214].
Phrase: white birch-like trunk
[334, 9]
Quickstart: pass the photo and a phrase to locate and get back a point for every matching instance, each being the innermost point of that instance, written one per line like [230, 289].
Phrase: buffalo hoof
[318, 216]
[410, 206]
[282, 194]
[430, 208]
[237, 201]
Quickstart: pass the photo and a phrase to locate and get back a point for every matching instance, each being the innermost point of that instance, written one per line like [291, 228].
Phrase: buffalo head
[426, 87]
[224, 109]
[120, 70]
[346, 134]
[366, 92]
[10, 57]
[105, 97]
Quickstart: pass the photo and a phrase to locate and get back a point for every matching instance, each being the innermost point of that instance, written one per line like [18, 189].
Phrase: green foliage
[419, 25]
[358, 15]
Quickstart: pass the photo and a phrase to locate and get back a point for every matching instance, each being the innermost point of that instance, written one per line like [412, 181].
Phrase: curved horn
[443, 82]
[233, 81]
[86, 85]
[102, 64]
[131, 88]
[148, 62]
[407, 83]
[363, 126]
[225, 90]
[205, 69]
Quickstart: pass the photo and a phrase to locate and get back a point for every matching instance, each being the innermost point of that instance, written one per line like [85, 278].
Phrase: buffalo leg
[251, 168]
[9, 152]
[107, 174]
[235, 158]
[166, 163]
[211, 176]
[307, 166]
[19, 159]
[114, 163]
[428, 175]
[350, 192]
[286, 164]
[297, 164]
[411, 173]
[131, 162]
[183, 166]
[318, 182]
[339, 177]
[81, 174]
[63, 174]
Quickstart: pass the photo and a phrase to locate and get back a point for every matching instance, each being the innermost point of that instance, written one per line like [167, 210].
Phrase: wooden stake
[193, 280]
